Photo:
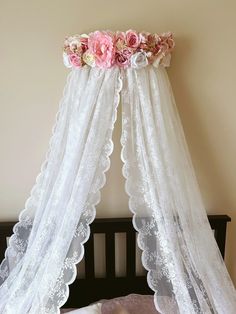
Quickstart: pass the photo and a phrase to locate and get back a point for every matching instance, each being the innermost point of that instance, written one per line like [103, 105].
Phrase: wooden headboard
[90, 288]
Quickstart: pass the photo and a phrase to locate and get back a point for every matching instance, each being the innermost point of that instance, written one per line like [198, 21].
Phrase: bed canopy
[185, 268]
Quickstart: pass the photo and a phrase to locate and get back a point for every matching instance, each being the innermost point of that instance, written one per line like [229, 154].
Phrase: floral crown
[105, 49]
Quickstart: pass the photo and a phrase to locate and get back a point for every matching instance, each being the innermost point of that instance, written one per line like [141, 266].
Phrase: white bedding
[91, 309]
[130, 304]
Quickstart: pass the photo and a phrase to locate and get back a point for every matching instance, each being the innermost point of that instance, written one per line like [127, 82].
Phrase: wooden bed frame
[90, 289]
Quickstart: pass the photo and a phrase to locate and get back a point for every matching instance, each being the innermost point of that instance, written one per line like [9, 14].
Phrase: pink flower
[105, 49]
[67, 49]
[164, 48]
[84, 43]
[100, 44]
[132, 39]
[120, 43]
[167, 43]
[153, 42]
[72, 43]
[75, 60]
[122, 58]
[76, 44]
[143, 37]
[170, 41]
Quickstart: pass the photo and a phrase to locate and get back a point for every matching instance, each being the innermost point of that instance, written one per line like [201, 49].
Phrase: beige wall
[202, 75]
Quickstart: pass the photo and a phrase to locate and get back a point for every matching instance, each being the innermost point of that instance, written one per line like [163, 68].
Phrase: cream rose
[89, 59]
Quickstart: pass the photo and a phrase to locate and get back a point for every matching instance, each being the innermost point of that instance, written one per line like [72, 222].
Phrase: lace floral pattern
[19, 240]
[83, 230]
[47, 274]
[165, 200]
[174, 232]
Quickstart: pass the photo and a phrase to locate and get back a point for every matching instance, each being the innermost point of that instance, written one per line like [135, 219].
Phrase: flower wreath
[105, 49]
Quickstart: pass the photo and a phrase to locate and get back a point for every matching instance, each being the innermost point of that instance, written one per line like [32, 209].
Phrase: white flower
[84, 36]
[139, 60]
[66, 60]
[89, 59]
[72, 41]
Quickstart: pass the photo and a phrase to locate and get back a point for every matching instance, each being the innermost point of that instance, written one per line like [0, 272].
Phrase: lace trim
[69, 271]
[128, 189]
[146, 227]
[18, 242]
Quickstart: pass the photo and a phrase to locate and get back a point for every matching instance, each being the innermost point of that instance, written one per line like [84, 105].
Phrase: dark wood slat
[89, 258]
[220, 235]
[5, 231]
[3, 246]
[116, 225]
[219, 224]
[110, 254]
[131, 254]
[218, 218]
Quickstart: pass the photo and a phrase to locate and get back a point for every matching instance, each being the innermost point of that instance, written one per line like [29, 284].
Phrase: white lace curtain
[185, 268]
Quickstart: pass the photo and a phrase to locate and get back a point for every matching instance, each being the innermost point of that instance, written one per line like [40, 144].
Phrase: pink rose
[157, 49]
[153, 43]
[122, 58]
[76, 44]
[171, 44]
[72, 42]
[100, 44]
[167, 43]
[164, 48]
[75, 60]
[143, 37]
[84, 43]
[132, 39]
[170, 41]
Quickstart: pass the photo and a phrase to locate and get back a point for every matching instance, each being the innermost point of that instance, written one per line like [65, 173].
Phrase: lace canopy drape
[185, 268]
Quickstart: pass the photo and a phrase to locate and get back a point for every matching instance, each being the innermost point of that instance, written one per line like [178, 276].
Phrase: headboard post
[5, 231]
[219, 224]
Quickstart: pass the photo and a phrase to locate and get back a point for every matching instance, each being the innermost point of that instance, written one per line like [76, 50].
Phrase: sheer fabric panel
[40, 262]
[185, 267]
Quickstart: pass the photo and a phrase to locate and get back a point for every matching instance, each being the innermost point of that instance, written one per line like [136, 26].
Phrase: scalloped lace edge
[104, 168]
[128, 182]
[38, 180]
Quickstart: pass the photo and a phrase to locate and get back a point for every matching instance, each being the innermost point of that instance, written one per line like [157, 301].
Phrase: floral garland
[105, 49]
